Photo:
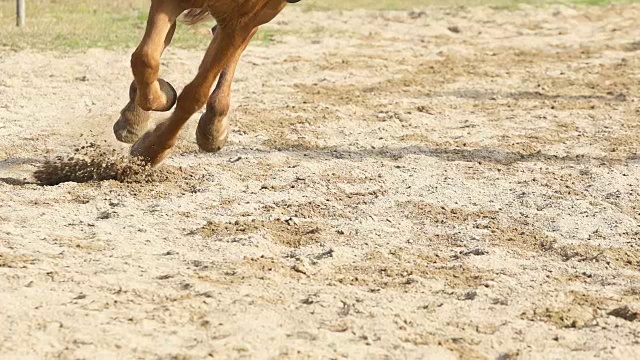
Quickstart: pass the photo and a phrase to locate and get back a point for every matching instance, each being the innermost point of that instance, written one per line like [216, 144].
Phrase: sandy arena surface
[443, 183]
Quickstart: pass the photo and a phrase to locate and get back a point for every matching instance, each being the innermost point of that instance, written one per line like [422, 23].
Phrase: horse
[237, 21]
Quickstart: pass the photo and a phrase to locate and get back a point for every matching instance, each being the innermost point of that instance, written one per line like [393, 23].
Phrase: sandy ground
[446, 183]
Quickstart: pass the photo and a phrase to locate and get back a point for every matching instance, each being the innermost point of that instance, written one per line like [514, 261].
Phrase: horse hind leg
[213, 127]
[147, 92]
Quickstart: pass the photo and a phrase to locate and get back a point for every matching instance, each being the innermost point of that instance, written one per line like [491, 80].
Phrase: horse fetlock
[217, 108]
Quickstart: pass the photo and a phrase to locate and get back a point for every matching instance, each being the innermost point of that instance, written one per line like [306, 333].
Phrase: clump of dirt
[402, 269]
[582, 310]
[265, 265]
[571, 316]
[15, 261]
[308, 209]
[621, 257]
[284, 144]
[626, 312]
[289, 233]
[93, 162]
[445, 215]
[460, 346]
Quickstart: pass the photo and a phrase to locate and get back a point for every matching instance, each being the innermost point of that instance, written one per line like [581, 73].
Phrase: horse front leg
[147, 92]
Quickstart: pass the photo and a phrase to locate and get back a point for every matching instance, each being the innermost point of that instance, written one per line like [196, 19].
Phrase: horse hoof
[170, 94]
[152, 147]
[132, 124]
[126, 133]
[212, 137]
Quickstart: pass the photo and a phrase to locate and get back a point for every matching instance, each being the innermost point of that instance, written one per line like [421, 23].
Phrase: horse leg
[147, 92]
[213, 127]
[227, 44]
[154, 146]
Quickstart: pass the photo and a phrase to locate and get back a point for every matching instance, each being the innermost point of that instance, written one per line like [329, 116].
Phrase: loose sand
[454, 182]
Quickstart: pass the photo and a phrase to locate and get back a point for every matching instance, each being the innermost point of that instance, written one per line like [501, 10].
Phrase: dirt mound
[93, 162]
[289, 232]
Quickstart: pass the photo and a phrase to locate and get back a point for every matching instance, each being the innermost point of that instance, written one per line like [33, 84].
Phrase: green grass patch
[594, 2]
[394, 4]
[79, 25]
[417, 4]
[119, 24]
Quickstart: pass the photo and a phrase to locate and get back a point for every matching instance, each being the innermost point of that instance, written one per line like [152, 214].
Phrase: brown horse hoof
[170, 97]
[211, 136]
[126, 133]
[152, 147]
[170, 94]
[132, 124]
